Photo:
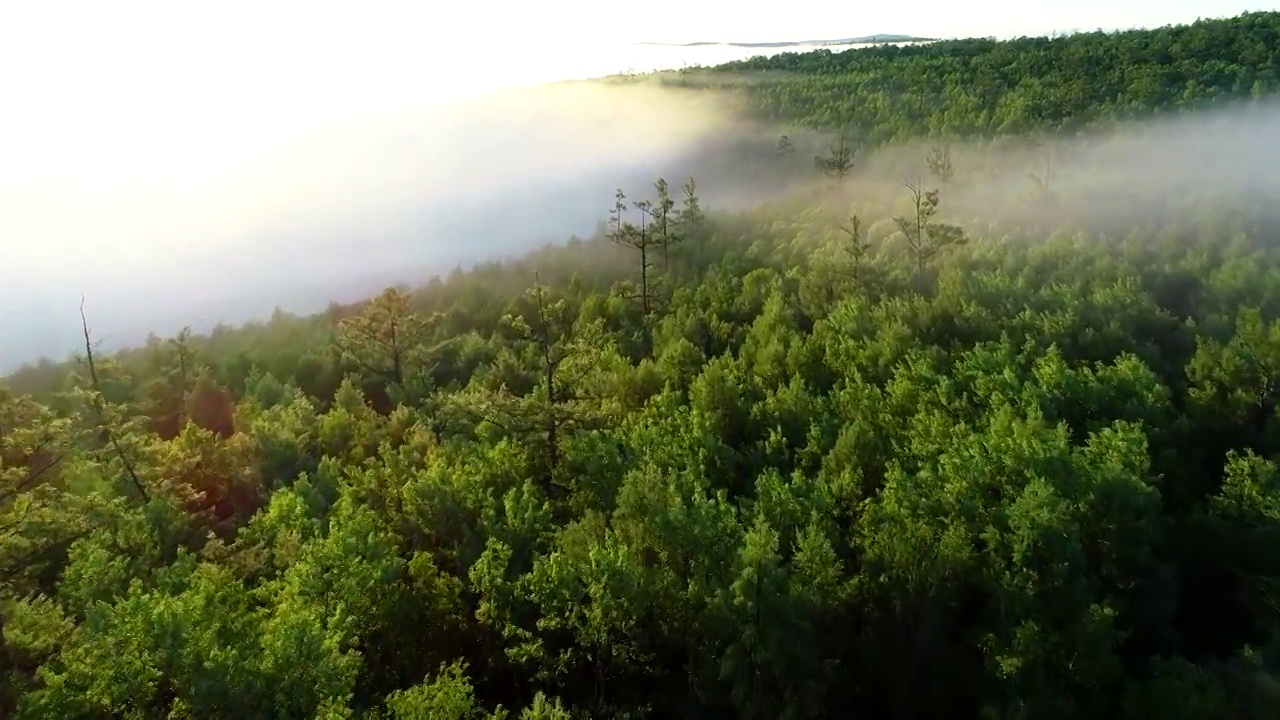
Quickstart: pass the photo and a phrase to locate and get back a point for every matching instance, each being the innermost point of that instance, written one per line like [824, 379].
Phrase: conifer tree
[639, 238]
[35, 516]
[785, 147]
[386, 340]
[691, 221]
[167, 394]
[838, 162]
[1042, 175]
[664, 222]
[939, 162]
[926, 237]
[560, 403]
[857, 248]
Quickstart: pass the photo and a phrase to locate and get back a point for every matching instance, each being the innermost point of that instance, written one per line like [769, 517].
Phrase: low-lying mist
[337, 214]
[1149, 173]
[343, 212]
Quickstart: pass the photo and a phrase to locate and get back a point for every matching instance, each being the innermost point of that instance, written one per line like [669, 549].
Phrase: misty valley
[914, 380]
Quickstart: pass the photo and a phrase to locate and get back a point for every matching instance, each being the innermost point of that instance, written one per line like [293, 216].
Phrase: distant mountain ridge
[863, 40]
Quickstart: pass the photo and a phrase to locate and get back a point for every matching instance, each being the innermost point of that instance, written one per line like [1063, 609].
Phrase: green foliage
[981, 87]
[448, 696]
[786, 478]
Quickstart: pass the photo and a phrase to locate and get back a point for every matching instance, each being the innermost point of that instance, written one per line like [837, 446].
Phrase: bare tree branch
[99, 406]
[32, 478]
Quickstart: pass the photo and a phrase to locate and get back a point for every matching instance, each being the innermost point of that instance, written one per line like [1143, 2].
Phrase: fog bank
[1148, 174]
[399, 197]
[353, 206]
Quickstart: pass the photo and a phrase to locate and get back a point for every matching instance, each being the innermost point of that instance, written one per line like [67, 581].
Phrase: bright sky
[107, 94]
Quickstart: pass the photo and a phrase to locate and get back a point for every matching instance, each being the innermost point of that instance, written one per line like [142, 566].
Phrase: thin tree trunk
[644, 278]
[98, 402]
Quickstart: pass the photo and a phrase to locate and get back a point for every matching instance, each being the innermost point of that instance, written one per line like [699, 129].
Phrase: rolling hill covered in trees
[987, 87]
[966, 446]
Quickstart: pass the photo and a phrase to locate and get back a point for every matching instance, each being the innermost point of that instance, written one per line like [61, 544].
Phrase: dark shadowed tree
[939, 162]
[838, 162]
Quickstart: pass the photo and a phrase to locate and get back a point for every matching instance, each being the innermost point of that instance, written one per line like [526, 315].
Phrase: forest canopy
[853, 450]
[979, 87]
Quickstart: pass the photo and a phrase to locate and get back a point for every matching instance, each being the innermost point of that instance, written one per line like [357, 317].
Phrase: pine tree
[36, 515]
[560, 403]
[387, 339]
[939, 162]
[857, 248]
[691, 221]
[167, 394]
[664, 222]
[926, 237]
[1042, 176]
[639, 238]
[838, 162]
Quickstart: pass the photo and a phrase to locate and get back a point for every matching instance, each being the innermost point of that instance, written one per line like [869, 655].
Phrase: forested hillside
[983, 87]
[870, 449]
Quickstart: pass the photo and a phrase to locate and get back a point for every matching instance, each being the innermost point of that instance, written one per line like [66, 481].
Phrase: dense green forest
[845, 453]
[985, 87]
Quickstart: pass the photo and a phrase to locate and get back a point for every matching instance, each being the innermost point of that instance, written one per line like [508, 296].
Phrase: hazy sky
[175, 93]
[137, 131]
